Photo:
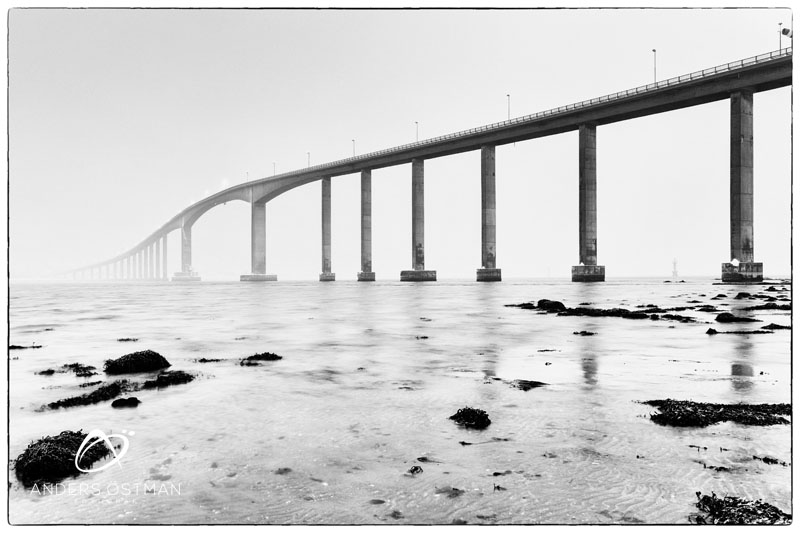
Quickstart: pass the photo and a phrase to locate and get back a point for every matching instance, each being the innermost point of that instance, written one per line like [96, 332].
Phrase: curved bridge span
[736, 81]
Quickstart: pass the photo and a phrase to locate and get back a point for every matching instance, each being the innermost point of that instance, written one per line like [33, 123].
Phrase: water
[360, 395]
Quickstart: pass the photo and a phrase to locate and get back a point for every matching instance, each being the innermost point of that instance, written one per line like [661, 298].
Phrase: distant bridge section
[736, 81]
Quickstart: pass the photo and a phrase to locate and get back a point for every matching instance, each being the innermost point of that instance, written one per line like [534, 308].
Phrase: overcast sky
[119, 119]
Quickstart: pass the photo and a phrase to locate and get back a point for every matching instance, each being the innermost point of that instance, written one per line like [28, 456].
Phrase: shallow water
[360, 394]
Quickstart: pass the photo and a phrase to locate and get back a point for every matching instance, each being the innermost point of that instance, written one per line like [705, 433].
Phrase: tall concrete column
[588, 269]
[164, 267]
[366, 273]
[326, 274]
[148, 264]
[742, 268]
[488, 270]
[139, 264]
[258, 245]
[157, 248]
[418, 226]
[186, 249]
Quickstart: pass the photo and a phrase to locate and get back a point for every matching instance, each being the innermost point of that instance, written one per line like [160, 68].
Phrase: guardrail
[727, 67]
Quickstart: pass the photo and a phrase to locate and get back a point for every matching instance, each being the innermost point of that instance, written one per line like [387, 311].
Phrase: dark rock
[397, 515]
[525, 305]
[125, 402]
[376, 501]
[742, 295]
[695, 414]
[101, 394]
[127, 339]
[90, 384]
[711, 331]
[414, 470]
[459, 522]
[551, 305]
[734, 510]
[584, 333]
[52, 459]
[253, 360]
[18, 347]
[501, 473]
[48, 372]
[721, 296]
[145, 361]
[168, 378]
[771, 288]
[526, 385]
[680, 318]
[471, 418]
[204, 360]
[283, 471]
[728, 317]
[775, 326]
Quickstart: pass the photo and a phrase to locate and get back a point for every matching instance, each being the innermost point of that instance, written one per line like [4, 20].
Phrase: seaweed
[734, 510]
[471, 418]
[51, 459]
[696, 414]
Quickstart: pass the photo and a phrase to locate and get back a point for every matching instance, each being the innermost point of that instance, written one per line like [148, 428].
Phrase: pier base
[185, 276]
[327, 276]
[489, 274]
[258, 277]
[417, 275]
[742, 273]
[588, 273]
[366, 276]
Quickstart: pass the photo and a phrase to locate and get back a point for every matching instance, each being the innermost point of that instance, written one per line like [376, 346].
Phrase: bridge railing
[711, 71]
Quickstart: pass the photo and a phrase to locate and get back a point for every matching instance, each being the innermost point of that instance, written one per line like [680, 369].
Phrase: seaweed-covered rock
[100, 394]
[771, 306]
[734, 510]
[776, 326]
[82, 371]
[168, 378]
[471, 418]
[729, 317]
[696, 414]
[51, 459]
[253, 360]
[144, 361]
[133, 401]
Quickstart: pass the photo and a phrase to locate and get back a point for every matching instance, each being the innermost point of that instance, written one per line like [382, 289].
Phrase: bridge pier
[164, 269]
[258, 245]
[186, 273]
[366, 273]
[326, 274]
[742, 268]
[157, 248]
[488, 270]
[587, 269]
[418, 226]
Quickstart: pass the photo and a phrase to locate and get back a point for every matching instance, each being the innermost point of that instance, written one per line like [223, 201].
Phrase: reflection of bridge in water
[737, 81]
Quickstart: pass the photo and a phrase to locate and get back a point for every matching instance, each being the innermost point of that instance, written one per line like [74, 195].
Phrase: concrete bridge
[736, 81]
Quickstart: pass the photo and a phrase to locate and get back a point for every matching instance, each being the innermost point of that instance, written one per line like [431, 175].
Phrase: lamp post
[508, 96]
[417, 124]
[354, 147]
[654, 66]
[309, 159]
[780, 36]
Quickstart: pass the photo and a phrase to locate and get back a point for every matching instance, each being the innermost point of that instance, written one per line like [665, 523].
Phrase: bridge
[736, 81]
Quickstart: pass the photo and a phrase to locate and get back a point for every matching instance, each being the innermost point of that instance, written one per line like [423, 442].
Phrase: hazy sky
[119, 119]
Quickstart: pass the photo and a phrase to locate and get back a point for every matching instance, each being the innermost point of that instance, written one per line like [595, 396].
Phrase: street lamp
[780, 36]
[509, 106]
[654, 66]
[417, 123]
[354, 147]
